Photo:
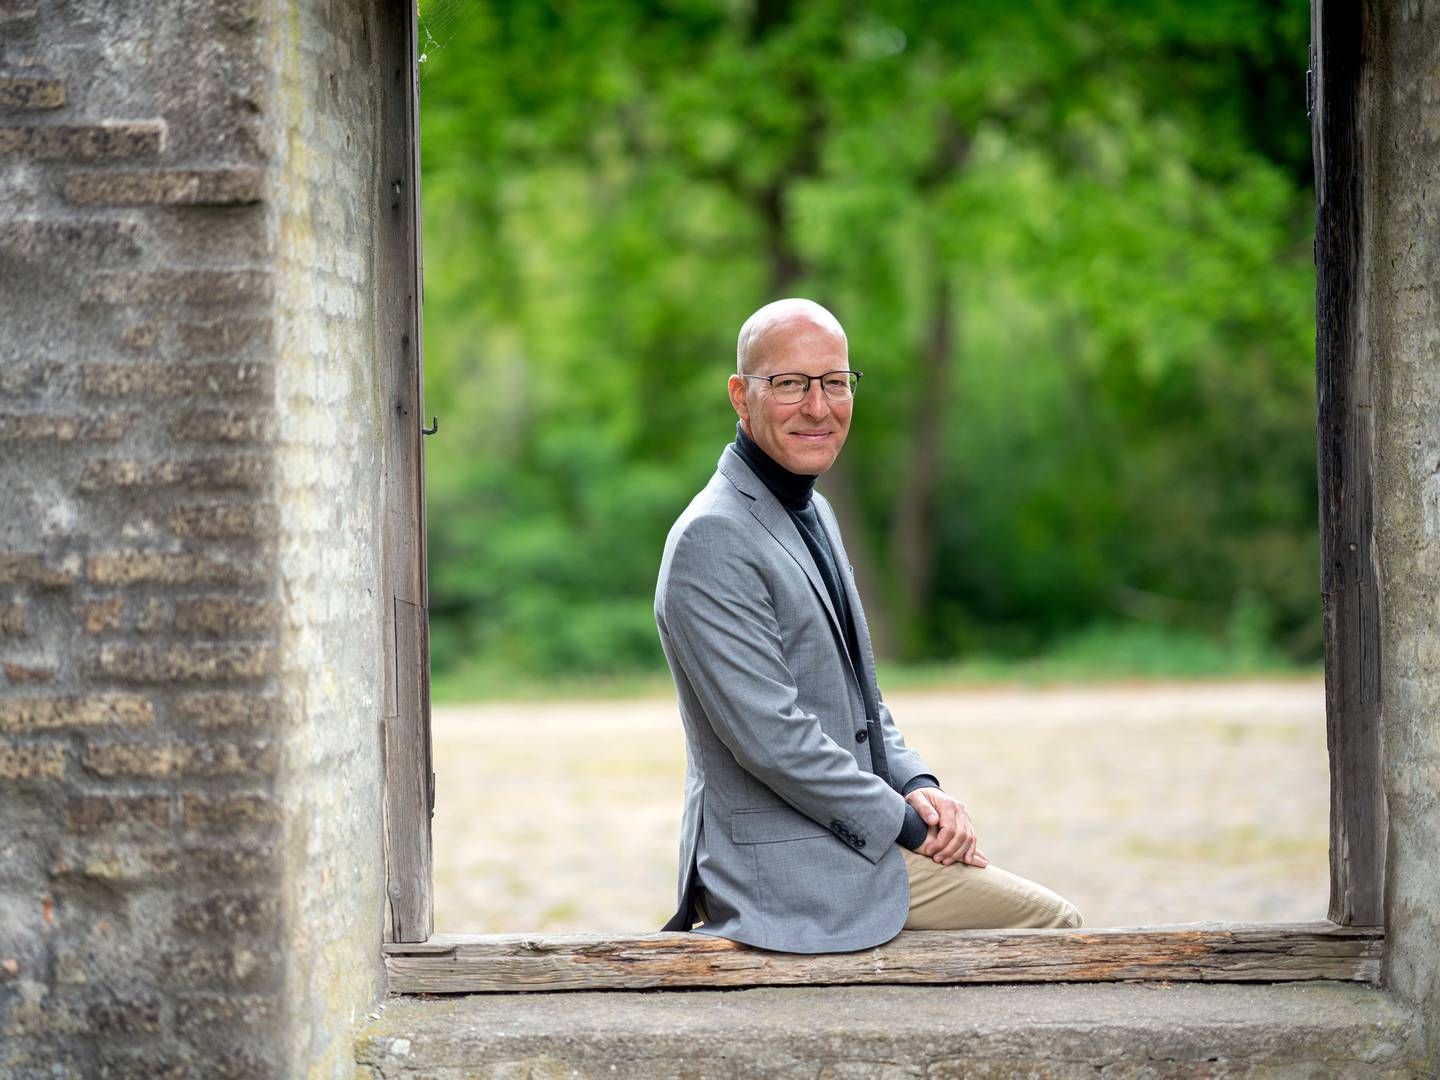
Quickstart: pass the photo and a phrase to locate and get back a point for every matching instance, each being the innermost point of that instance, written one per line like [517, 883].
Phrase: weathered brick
[98, 616]
[229, 913]
[243, 471]
[229, 708]
[23, 377]
[169, 187]
[134, 1013]
[199, 1012]
[32, 569]
[139, 336]
[154, 379]
[100, 862]
[235, 860]
[223, 615]
[21, 761]
[227, 337]
[84, 142]
[86, 812]
[204, 1059]
[185, 286]
[110, 861]
[135, 759]
[219, 520]
[46, 238]
[18, 672]
[33, 427]
[44, 1016]
[12, 619]
[171, 568]
[228, 811]
[73, 968]
[27, 92]
[207, 661]
[220, 425]
[178, 758]
[154, 616]
[237, 966]
[101, 710]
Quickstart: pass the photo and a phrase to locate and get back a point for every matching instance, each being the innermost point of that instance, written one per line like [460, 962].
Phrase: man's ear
[737, 399]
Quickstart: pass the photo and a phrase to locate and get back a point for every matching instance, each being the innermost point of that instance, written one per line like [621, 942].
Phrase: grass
[1106, 653]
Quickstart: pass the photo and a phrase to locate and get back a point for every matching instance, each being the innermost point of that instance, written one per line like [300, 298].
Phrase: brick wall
[190, 879]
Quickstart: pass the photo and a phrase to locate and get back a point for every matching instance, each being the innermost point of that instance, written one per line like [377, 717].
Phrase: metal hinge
[432, 794]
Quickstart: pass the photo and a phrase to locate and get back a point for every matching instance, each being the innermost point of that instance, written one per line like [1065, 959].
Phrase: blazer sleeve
[905, 763]
[719, 617]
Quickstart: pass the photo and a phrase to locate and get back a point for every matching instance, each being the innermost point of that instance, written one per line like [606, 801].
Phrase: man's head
[799, 336]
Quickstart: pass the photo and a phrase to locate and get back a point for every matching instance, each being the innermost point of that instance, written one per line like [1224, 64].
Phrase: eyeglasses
[790, 387]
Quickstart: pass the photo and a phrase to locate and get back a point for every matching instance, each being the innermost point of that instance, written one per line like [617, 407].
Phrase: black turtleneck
[794, 492]
[792, 489]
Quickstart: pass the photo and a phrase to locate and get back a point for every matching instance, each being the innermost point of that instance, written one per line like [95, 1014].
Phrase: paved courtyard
[1148, 803]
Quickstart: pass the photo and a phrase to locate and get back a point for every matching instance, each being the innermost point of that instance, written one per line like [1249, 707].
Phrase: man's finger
[924, 807]
[968, 848]
[951, 850]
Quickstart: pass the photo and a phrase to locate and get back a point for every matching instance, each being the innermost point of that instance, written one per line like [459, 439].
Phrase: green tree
[1070, 244]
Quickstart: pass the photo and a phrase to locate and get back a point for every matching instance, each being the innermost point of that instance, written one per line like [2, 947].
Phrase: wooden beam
[1349, 580]
[1194, 952]
[409, 791]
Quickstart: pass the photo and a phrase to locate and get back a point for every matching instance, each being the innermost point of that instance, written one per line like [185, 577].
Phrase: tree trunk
[912, 534]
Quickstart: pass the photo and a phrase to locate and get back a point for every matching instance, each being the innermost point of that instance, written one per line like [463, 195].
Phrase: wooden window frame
[1347, 946]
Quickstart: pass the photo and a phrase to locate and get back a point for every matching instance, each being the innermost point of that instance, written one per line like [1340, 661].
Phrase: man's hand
[952, 835]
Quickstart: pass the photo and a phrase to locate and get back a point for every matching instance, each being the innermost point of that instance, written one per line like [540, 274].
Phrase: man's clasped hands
[951, 836]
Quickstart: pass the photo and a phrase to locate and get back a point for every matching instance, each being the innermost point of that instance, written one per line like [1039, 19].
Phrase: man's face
[805, 437]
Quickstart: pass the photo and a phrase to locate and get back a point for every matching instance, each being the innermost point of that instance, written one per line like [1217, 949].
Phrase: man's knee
[1056, 913]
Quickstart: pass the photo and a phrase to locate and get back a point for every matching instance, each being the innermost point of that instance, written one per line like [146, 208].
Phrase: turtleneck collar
[792, 489]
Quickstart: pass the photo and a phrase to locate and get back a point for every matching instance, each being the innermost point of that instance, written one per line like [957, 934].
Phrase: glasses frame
[808, 380]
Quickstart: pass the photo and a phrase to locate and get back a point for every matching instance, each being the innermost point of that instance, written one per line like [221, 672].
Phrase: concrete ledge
[1060, 1031]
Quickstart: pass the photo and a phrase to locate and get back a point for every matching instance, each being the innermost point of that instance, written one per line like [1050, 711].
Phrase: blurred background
[1071, 247]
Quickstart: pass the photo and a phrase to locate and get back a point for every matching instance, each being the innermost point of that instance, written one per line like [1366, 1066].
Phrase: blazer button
[859, 843]
[862, 735]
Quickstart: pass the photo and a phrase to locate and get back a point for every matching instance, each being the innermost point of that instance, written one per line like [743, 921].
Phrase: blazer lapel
[766, 509]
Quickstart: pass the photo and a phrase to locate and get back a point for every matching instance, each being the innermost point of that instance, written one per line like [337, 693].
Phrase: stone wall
[328, 461]
[1402, 312]
[190, 454]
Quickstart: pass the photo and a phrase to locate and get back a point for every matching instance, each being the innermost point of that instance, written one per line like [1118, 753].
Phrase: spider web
[438, 20]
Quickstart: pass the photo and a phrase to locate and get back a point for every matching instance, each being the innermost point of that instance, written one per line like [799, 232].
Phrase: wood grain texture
[1196, 952]
[408, 777]
[1349, 582]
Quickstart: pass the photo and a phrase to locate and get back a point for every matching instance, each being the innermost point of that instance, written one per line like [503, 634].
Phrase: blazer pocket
[772, 824]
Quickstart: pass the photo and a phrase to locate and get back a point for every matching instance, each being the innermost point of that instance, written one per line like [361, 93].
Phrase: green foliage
[1070, 245]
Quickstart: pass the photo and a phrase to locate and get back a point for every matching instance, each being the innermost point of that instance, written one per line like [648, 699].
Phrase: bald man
[809, 825]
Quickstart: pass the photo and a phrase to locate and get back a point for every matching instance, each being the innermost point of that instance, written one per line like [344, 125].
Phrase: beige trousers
[963, 897]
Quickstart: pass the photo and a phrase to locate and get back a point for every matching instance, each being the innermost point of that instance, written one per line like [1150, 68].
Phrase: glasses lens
[840, 385]
[789, 389]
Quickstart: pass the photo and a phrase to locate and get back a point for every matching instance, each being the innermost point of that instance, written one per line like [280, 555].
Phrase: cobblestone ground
[1140, 803]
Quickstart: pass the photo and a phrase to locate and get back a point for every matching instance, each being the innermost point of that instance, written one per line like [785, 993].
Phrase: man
[809, 826]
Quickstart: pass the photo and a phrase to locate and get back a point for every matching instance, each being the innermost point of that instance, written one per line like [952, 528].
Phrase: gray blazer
[790, 832]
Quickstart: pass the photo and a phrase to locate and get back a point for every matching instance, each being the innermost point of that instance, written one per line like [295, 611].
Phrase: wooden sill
[1188, 952]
